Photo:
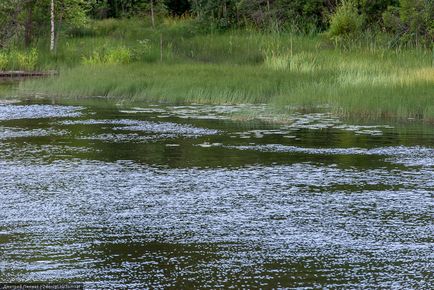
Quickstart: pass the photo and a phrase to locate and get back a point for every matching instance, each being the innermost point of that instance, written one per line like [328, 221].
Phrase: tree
[305, 15]
[52, 27]
[73, 12]
[221, 14]
[178, 7]
[10, 12]
[412, 21]
[28, 26]
[26, 20]
[372, 10]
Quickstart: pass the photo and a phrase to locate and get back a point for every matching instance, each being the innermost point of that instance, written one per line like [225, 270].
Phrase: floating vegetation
[123, 138]
[146, 126]
[409, 156]
[12, 133]
[8, 112]
[198, 111]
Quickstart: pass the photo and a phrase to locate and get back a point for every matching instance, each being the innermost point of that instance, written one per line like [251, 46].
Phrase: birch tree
[69, 12]
[52, 27]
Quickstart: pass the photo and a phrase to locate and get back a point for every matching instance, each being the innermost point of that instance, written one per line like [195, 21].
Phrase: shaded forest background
[410, 22]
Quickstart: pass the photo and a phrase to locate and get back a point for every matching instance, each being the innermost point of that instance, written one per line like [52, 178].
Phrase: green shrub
[27, 60]
[93, 59]
[391, 20]
[4, 60]
[146, 50]
[346, 21]
[120, 55]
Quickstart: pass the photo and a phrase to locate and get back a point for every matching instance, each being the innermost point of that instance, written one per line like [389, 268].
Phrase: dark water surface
[185, 197]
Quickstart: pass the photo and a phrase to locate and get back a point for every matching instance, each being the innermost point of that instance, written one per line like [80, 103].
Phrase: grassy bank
[129, 61]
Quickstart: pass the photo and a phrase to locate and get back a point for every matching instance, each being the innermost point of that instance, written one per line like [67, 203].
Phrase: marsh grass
[19, 60]
[287, 71]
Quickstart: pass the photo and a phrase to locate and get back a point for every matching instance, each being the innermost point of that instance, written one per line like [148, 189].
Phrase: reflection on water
[182, 196]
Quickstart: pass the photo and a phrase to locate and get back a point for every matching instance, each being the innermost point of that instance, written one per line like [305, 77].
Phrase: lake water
[188, 197]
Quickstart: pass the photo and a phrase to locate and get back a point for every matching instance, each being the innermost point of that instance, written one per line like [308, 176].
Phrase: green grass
[367, 80]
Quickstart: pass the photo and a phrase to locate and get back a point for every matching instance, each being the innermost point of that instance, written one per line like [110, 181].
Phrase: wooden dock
[26, 74]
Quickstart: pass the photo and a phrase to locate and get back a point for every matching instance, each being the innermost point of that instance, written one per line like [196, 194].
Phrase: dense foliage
[411, 21]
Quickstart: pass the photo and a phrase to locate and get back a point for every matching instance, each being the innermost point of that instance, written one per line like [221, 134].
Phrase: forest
[408, 21]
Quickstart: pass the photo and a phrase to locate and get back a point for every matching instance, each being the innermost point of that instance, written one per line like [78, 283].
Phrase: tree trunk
[59, 28]
[28, 27]
[52, 39]
[161, 47]
[152, 14]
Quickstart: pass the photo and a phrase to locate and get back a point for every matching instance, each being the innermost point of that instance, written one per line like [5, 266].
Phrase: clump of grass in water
[202, 83]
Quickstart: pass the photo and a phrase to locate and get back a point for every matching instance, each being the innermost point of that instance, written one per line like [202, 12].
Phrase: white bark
[52, 40]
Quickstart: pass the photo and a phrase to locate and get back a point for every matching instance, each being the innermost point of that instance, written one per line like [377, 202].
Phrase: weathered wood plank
[22, 74]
